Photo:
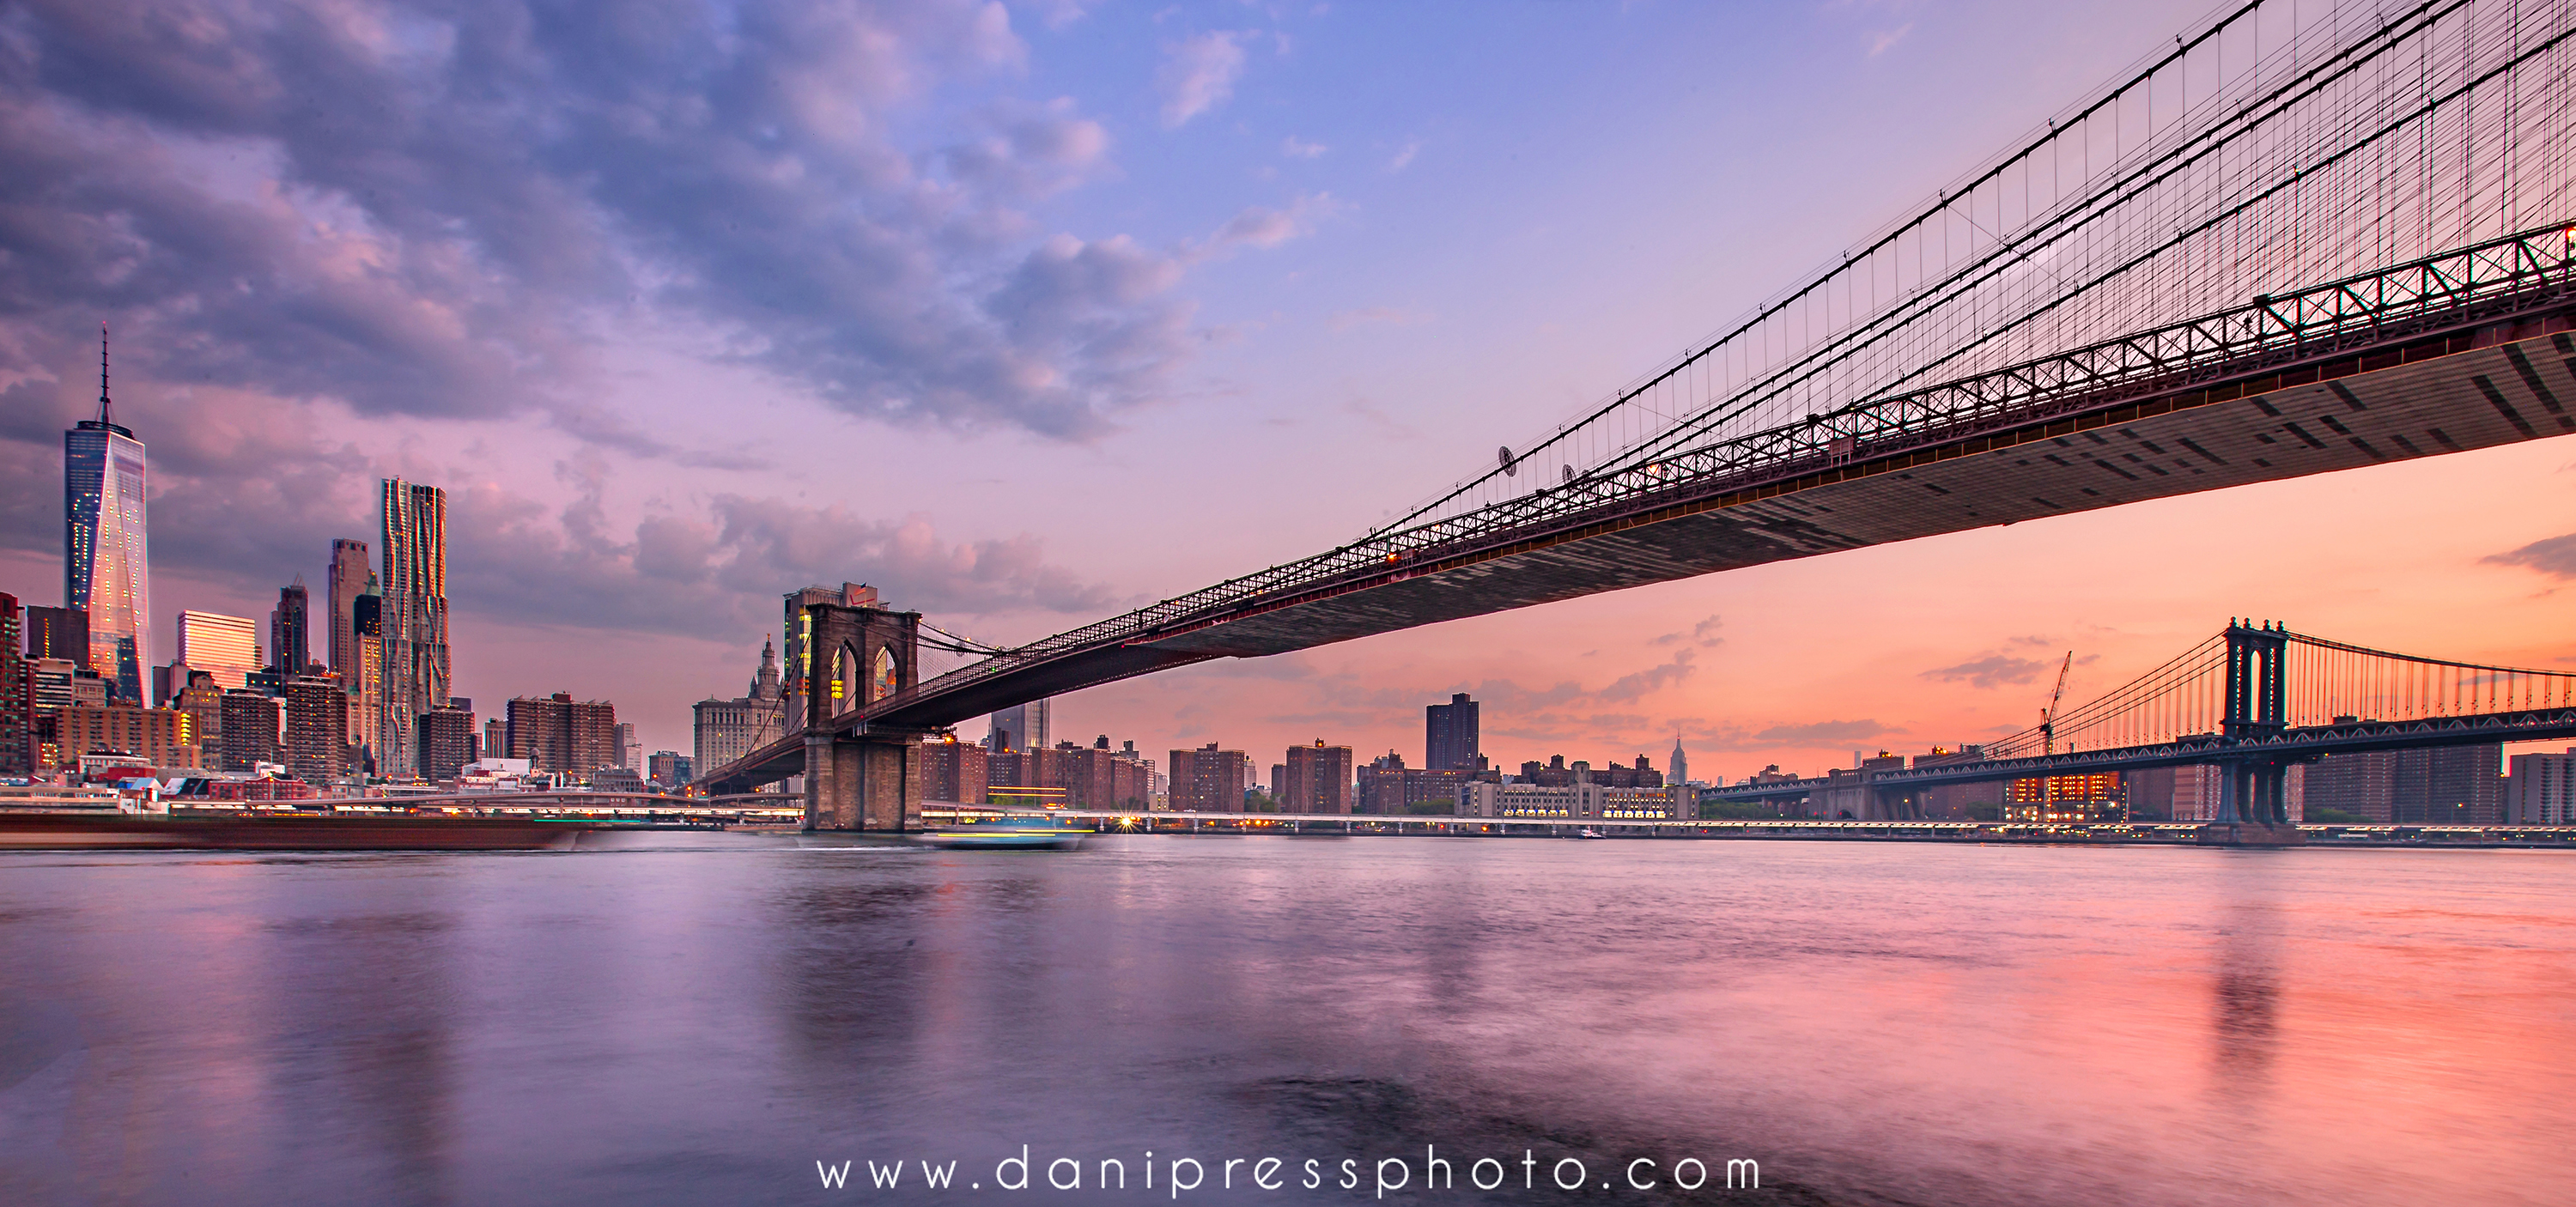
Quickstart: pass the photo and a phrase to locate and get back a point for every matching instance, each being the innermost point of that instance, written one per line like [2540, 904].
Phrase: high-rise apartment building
[1027, 726]
[725, 730]
[226, 647]
[151, 735]
[250, 729]
[17, 699]
[630, 750]
[1209, 780]
[1450, 737]
[317, 729]
[559, 733]
[106, 558]
[2541, 790]
[446, 741]
[950, 771]
[290, 630]
[2442, 785]
[1317, 778]
[413, 619]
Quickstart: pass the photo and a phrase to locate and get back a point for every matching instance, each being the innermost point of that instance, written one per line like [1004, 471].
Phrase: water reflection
[1874, 1023]
[2245, 978]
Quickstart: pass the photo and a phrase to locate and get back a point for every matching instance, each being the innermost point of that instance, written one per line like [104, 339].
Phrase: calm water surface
[695, 1019]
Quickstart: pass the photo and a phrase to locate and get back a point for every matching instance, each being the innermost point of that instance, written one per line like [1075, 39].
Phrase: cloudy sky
[1026, 313]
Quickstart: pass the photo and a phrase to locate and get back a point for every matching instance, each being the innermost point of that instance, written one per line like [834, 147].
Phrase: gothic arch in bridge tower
[887, 678]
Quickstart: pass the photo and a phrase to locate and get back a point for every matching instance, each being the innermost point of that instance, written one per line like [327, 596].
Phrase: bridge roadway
[2355, 387]
[754, 809]
[1434, 825]
[2289, 744]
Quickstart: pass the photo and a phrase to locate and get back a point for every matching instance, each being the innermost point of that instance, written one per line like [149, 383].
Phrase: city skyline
[630, 548]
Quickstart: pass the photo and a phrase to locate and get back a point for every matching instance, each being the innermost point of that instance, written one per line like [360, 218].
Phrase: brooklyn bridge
[2289, 243]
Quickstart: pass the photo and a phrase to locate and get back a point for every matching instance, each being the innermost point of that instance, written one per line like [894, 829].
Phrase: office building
[250, 728]
[1317, 778]
[559, 733]
[630, 750]
[290, 627]
[365, 681]
[446, 741]
[1023, 727]
[226, 647]
[1209, 780]
[317, 729]
[412, 620]
[1678, 771]
[1449, 735]
[348, 578]
[57, 633]
[106, 558]
[495, 740]
[725, 730]
[2540, 790]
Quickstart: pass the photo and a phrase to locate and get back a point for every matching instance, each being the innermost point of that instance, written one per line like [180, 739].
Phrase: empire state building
[106, 560]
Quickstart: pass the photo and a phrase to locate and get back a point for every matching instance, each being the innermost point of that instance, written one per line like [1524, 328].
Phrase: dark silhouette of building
[317, 728]
[57, 633]
[559, 733]
[249, 730]
[1450, 737]
[17, 692]
[290, 630]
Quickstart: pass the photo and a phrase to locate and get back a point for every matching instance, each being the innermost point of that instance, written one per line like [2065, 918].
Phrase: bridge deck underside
[2130, 450]
[2466, 400]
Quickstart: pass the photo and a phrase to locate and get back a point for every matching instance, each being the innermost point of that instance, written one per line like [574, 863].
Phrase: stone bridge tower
[846, 650]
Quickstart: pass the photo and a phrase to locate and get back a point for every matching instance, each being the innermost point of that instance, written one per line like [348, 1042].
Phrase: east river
[704, 1018]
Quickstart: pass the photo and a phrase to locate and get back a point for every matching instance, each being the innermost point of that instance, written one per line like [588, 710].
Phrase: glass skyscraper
[412, 619]
[106, 559]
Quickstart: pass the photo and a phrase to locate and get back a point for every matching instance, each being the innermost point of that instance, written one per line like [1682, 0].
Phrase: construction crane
[2048, 715]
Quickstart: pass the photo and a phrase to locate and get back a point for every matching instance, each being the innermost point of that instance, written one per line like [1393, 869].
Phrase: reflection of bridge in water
[2265, 254]
[2254, 701]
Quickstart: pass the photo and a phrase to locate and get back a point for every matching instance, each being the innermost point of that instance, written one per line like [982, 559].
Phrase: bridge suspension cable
[2325, 683]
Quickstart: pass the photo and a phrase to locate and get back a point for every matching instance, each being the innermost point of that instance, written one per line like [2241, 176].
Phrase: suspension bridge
[2302, 238]
[2254, 700]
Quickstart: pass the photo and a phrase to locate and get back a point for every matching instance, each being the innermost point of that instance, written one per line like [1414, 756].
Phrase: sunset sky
[1030, 313]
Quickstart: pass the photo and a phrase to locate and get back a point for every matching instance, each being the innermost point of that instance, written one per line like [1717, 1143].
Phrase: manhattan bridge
[2300, 238]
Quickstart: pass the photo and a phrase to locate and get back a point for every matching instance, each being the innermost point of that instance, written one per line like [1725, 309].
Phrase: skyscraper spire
[102, 371]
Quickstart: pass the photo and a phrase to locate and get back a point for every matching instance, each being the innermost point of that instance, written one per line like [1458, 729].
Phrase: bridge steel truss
[2254, 700]
[2370, 201]
[2429, 308]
